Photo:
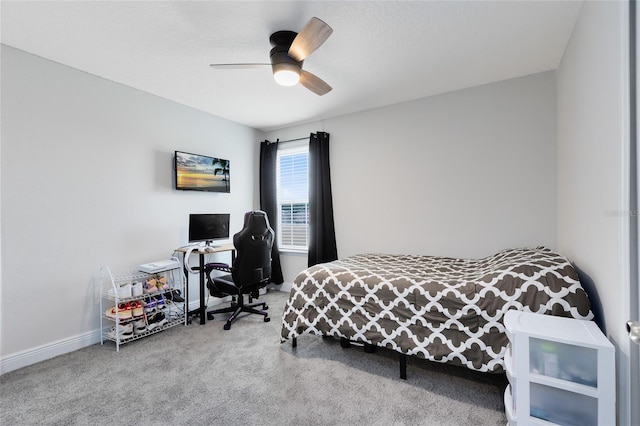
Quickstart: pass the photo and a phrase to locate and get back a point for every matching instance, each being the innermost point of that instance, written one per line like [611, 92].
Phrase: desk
[219, 249]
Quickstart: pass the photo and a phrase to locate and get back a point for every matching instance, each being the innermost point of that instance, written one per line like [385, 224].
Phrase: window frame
[287, 149]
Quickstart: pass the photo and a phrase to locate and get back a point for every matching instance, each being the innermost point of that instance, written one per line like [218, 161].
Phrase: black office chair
[250, 272]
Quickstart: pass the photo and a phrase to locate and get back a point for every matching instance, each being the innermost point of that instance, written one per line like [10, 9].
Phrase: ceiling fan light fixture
[289, 51]
[286, 74]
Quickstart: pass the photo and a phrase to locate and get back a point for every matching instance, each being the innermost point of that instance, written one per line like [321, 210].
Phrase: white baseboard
[41, 353]
[51, 350]
[285, 287]
[212, 301]
[215, 301]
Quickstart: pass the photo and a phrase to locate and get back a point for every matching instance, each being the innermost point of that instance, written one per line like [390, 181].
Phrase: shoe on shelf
[125, 331]
[150, 305]
[156, 320]
[151, 286]
[136, 289]
[137, 309]
[174, 296]
[163, 284]
[173, 315]
[139, 326]
[160, 302]
[122, 291]
[121, 312]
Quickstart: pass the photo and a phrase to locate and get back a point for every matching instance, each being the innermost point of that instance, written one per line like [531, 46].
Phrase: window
[293, 196]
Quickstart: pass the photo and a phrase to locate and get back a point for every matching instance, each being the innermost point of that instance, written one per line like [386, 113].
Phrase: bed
[438, 308]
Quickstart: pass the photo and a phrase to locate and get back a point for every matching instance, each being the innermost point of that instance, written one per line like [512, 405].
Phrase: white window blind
[293, 196]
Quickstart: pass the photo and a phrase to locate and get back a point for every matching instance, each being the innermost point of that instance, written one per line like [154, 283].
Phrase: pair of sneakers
[125, 311]
[127, 290]
[124, 331]
[155, 303]
[153, 285]
[156, 320]
[128, 330]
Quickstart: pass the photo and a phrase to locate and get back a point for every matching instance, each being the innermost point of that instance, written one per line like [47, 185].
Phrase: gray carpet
[203, 375]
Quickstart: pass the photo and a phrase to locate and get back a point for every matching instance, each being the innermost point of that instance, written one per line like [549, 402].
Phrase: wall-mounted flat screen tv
[201, 173]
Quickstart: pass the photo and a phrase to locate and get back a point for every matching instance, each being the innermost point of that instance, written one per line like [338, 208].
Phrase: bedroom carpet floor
[203, 375]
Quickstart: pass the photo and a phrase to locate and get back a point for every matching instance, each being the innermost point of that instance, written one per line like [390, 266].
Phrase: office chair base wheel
[267, 319]
[227, 326]
[209, 316]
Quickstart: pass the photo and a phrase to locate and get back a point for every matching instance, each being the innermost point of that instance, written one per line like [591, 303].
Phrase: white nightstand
[560, 370]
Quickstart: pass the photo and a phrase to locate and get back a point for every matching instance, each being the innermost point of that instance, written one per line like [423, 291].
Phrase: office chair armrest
[215, 266]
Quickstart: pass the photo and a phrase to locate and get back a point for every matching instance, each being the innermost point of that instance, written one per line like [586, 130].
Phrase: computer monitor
[208, 227]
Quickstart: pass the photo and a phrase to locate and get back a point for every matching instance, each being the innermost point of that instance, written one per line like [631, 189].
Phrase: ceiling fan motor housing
[282, 38]
[280, 59]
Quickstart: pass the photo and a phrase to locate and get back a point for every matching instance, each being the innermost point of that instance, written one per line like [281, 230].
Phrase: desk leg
[203, 308]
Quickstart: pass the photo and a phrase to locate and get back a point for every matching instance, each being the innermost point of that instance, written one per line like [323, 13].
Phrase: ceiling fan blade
[238, 66]
[313, 83]
[311, 36]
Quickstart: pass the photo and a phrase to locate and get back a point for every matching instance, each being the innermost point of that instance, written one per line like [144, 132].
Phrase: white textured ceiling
[380, 53]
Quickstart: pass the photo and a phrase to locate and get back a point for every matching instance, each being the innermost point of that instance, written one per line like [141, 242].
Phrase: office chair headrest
[257, 223]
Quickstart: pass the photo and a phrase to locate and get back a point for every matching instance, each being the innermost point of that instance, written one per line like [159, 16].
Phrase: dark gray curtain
[322, 235]
[269, 202]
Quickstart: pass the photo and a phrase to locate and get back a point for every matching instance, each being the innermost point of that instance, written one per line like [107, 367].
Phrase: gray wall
[593, 189]
[86, 182]
[461, 174]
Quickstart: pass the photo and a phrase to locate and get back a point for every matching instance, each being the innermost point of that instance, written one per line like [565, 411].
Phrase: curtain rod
[290, 140]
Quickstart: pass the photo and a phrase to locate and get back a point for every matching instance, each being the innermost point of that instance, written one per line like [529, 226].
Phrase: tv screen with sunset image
[201, 173]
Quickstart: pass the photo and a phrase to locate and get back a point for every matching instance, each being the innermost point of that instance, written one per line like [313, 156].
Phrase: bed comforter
[438, 308]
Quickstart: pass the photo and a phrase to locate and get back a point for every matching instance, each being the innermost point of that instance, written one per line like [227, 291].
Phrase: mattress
[439, 308]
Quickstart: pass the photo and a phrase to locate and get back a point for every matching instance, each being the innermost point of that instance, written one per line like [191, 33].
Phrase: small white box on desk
[159, 266]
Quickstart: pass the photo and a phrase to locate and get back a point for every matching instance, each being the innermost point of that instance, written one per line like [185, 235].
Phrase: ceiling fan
[290, 49]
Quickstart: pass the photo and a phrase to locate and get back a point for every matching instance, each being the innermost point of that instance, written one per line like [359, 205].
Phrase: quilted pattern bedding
[438, 308]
